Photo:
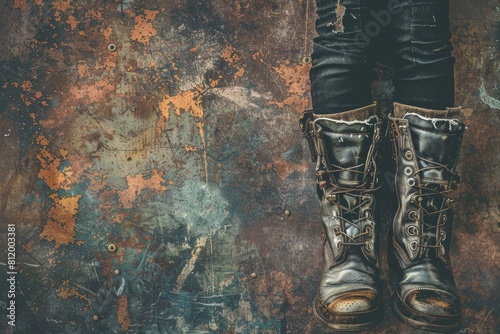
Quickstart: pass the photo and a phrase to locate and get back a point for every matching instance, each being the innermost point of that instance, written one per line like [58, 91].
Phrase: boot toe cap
[354, 302]
[433, 302]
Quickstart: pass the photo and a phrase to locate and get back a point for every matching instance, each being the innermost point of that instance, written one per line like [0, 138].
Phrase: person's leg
[342, 63]
[343, 131]
[422, 50]
[427, 136]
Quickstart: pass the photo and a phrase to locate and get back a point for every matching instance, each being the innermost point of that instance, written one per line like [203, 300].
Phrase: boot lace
[361, 192]
[426, 191]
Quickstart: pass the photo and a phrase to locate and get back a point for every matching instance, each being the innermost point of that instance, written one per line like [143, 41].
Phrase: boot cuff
[400, 110]
[360, 114]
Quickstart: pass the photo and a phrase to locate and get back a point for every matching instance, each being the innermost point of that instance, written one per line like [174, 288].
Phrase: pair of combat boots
[426, 144]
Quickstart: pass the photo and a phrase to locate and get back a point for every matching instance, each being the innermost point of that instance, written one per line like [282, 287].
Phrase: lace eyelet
[413, 245]
[331, 198]
[408, 171]
[338, 244]
[444, 218]
[416, 199]
[369, 246]
[412, 230]
[336, 230]
[368, 214]
[442, 250]
[366, 198]
[443, 235]
[408, 155]
[410, 182]
[413, 215]
[369, 230]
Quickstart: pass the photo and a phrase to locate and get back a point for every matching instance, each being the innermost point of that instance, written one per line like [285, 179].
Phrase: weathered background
[181, 148]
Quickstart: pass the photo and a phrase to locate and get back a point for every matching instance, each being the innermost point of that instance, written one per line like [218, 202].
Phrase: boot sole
[344, 326]
[450, 328]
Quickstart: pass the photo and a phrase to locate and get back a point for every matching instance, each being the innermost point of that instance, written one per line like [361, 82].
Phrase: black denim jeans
[343, 57]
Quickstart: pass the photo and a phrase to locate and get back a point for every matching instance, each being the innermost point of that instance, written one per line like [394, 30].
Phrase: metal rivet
[288, 212]
[117, 271]
[408, 171]
[95, 317]
[112, 47]
[306, 60]
[254, 275]
[112, 248]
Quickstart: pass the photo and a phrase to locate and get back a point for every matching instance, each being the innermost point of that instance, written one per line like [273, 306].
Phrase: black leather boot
[426, 145]
[344, 149]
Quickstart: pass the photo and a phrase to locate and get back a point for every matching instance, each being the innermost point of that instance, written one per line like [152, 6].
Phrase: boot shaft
[344, 148]
[426, 146]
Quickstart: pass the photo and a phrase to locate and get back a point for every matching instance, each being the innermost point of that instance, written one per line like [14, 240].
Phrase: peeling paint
[122, 313]
[143, 29]
[61, 223]
[138, 184]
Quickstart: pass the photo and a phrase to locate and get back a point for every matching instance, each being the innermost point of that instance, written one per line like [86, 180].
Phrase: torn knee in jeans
[339, 22]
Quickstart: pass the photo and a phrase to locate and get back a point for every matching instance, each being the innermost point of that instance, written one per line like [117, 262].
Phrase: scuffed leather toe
[434, 302]
[354, 302]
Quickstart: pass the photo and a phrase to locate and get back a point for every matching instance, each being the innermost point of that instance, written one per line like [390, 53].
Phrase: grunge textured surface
[169, 129]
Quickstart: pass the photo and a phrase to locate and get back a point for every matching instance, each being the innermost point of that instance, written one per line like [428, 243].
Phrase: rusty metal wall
[157, 182]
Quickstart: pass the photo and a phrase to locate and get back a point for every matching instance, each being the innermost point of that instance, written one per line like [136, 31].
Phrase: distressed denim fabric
[343, 57]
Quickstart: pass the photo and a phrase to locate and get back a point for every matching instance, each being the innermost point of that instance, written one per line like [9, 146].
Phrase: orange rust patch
[61, 5]
[107, 33]
[122, 313]
[94, 14]
[21, 4]
[83, 70]
[49, 171]
[62, 220]
[94, 92]
[296, 79]
[27, 85]
[67, 291]
[189, 101]
[137, 184]
[232, 58]
[72, 22]
[143, 29]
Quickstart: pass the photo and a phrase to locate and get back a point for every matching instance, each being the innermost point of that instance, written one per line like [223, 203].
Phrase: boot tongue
[347, 145]
[435, 139]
